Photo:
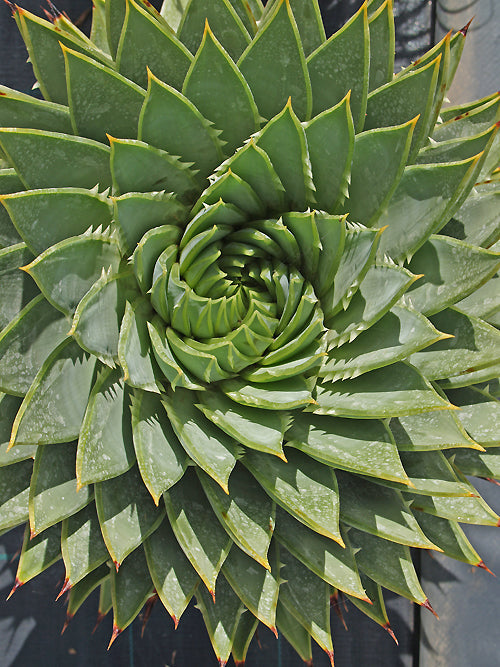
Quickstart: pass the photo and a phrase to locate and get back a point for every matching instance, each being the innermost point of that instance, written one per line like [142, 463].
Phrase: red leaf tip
[100, 618]
[116, 631]
[330, 655]
[17, 584]
[64, 589]
[466, 27]
[175, 620]
[388, 629]
[428, 606]
[222, 663]
[68, 620]
[274, 630]
[117, 565]
[482, 565]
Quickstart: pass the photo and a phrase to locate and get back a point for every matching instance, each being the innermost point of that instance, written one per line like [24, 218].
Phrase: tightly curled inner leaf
[225, 267]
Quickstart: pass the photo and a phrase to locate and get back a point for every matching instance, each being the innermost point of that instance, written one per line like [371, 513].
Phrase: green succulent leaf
[126, 513]
[38, 553]
[277, 47]
[131, 586]
[53, 490]
[14, 493]
[173, 576]
[82, 547]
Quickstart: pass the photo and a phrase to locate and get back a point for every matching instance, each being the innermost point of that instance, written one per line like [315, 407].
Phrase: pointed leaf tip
[482, 565]
[428, 606]
[466, 27]
[64, 589]
[388, 628]
[116, 631]
[69, 618]
[175, 620]
[100, 618]
[274, 630]
[330, 655]
[17, 584]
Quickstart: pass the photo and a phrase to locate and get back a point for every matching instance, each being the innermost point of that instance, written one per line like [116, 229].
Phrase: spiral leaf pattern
[252, 351]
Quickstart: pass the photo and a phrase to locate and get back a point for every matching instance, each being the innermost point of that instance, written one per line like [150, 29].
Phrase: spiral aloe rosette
[252, 348]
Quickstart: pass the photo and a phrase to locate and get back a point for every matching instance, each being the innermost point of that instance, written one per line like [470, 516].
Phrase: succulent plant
[252, 350]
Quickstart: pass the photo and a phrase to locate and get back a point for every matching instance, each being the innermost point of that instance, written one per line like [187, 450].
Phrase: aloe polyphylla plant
[249, 309]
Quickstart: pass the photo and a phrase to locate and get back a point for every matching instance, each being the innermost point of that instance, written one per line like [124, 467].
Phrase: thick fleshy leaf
[479, 414]
[382, 286]
[259, 588]
[160, 456]
[452, 270]
[38, 554]
[223, 20]
[97, 319]
[254, 428]
[145, 41]
[131, 586]
[173, 576]
[449, 537]
[17, 288]
[282, 394]
[203, 540]
[306, 490]
[21, 110]
[479, 464]
[330, 135]
[105, 447]
[83, 549]
[90, 88]
[54, 160]
[391, 391]
[361, 446]
[410, 217]
[46, 217]
[278, 51]
[217, 88]
[245, 513]
[379, 511]
[67, 270]
[127, 513]
[472, 509]
[404, 98]
[43, 41]
[247, 626]
[430, 473]
[387, 563]
[171, 122]
[14, 494]
[294, 632]
[310, 24]
[27, 341]
[139, 167]
[134, 350]
[285, 136]
[474, 345]
[382, 45]
[342, 64]
[359, 248]
[307, 598]
[440, 429]
[82, 589]
[379, 159]
[221, 617]
[53, 488]
[399, 333]
[477, 220]
[212, 449]
[327, 559]
[9, 184]
[53, 409]
[9, 405]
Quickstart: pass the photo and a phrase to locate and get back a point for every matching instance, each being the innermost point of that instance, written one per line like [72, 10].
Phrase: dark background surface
[31, 621]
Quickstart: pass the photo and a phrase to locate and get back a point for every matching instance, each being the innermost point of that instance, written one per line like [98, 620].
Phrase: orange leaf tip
[100, 618]
[68, 620]
[274, 631]
[482, 565]
[388, 629]
[428, 606]
[330, 655]
[64, 589]
[116, 632]
[175, 620]
[17, 584]
[466, 27]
